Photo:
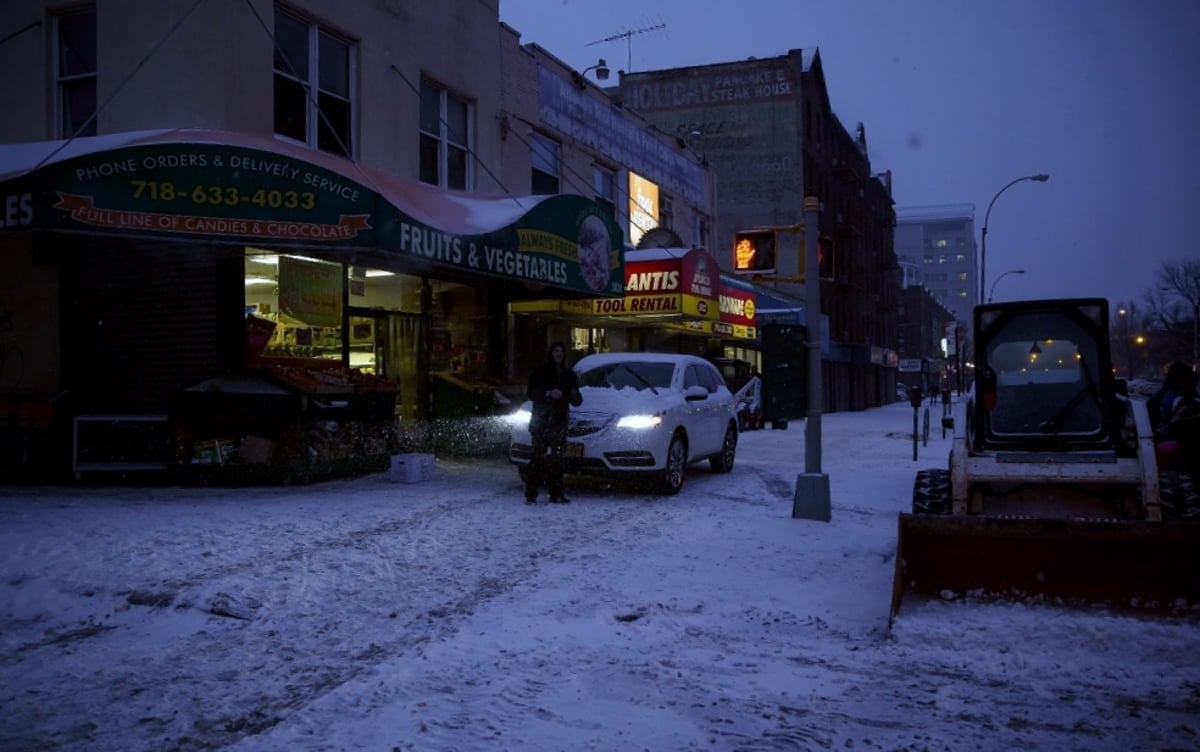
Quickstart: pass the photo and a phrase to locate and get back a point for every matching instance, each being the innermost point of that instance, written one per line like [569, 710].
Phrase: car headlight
[519, 419]
[639, 421]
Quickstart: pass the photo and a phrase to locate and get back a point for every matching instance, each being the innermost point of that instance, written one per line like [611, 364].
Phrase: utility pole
[811, 500]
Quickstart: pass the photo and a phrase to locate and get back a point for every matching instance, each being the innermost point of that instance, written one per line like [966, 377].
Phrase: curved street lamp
[1041, 178]
[1002, 276]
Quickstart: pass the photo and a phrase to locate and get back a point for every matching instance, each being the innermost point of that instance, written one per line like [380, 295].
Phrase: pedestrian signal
[754, 252]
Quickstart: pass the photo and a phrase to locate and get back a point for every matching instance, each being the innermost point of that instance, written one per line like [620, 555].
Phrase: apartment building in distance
[767, 127]
[936, 244]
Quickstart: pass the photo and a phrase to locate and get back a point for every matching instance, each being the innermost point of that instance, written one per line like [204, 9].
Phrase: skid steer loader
[1052, 487]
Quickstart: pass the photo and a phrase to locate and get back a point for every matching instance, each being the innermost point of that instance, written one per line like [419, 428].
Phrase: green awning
[229, 187]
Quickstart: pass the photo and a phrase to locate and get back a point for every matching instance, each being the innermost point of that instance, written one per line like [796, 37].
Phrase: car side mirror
[695, 393]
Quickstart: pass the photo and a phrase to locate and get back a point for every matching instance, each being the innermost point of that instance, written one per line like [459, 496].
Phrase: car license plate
[574, 449]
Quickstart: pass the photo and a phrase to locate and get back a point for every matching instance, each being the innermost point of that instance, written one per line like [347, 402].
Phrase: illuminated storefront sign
[672, 289]
[737, 305]
[643, 206]
[682, 286]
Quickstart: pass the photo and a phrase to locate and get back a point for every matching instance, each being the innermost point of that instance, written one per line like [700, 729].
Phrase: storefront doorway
[405, 359]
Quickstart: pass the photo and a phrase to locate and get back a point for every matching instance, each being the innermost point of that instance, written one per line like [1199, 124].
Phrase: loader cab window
[1046, 377]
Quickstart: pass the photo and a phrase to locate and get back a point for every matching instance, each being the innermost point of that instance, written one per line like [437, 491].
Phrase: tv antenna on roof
[628, 35]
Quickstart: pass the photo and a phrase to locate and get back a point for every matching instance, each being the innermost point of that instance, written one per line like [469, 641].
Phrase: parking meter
[915, 396]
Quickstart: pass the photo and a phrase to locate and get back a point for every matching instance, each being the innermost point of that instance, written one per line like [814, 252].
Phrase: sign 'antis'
[685, 285]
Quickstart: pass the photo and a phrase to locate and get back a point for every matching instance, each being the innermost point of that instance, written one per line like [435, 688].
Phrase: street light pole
[1041, 178]
[1002, 276]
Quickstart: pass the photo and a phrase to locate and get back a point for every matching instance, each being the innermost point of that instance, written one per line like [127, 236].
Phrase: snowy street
[448, 615]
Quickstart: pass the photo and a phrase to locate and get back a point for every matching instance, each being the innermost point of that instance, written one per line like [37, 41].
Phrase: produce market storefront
[246, 302]
[676, 300]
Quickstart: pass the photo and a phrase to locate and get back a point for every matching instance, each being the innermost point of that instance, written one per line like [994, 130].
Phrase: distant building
[936, 248]
[767, 128]
[926, 336]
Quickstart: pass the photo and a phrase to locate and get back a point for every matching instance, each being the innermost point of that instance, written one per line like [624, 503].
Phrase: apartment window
[544, 156]
[309, 57]
[77, 73]
[702, 230]
[666, 211]
[446, 137]
[604, 182]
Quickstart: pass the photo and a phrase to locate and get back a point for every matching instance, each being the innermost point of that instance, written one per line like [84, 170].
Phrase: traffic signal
[825, 258]
[754, 251]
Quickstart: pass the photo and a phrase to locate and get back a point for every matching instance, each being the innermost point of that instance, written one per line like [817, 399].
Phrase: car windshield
[629, 374]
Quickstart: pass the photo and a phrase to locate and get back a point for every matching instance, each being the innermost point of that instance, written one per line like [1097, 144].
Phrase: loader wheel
[1180, 499]
[931, 492]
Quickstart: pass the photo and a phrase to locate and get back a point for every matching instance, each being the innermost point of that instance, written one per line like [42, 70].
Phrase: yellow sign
[637, 304]
[643, 206]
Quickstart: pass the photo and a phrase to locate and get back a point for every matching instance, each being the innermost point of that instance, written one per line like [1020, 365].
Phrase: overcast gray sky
[959, 97]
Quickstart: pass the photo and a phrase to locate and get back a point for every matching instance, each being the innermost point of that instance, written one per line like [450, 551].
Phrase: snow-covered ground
[448, 615]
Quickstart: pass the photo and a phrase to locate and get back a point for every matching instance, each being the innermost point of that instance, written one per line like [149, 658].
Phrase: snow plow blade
[1138, 564]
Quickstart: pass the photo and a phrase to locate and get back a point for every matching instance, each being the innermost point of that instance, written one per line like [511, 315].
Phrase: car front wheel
[723, 462]
[672, 472]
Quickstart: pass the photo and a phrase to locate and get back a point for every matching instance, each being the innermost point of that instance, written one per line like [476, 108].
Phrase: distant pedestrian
[553, 388]
[1178, 389]
[1175, 416]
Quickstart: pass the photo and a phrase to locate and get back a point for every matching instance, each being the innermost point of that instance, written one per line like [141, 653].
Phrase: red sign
[737, 304]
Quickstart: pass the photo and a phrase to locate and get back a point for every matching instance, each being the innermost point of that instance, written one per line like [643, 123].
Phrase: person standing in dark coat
[553, 388]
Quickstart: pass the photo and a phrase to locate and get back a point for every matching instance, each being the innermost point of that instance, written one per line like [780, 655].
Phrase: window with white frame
[544, 157]
[605, 184]
[314, 95]
[446, 138]
[76, 72]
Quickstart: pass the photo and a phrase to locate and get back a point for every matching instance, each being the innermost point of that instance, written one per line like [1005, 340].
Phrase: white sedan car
[646, 415]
